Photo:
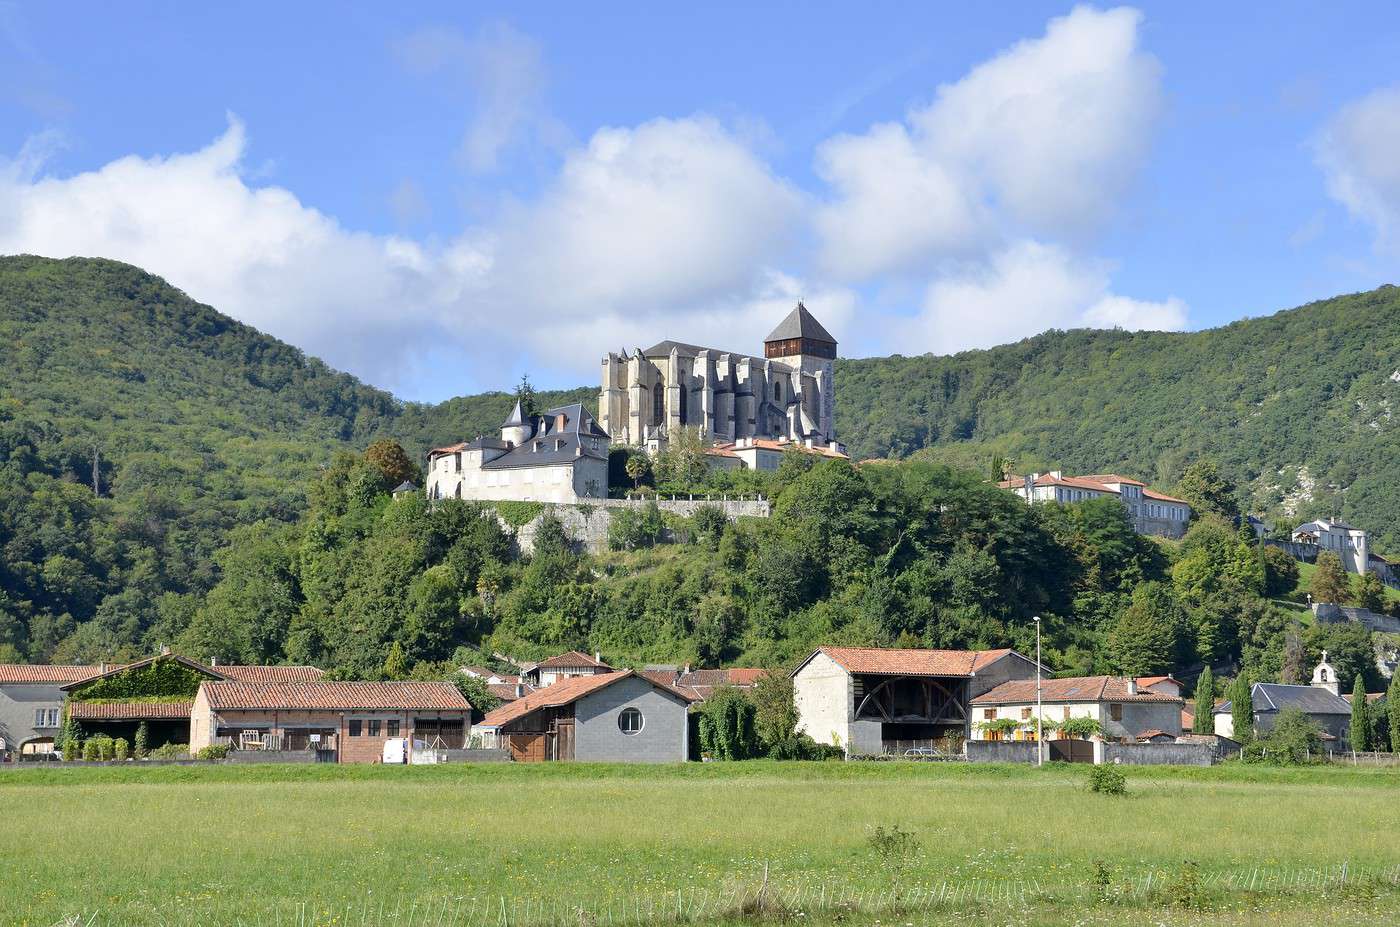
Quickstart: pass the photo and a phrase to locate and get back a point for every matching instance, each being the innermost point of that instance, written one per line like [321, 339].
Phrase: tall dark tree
[1360, 732]
[1242, 708]
[1204, 720]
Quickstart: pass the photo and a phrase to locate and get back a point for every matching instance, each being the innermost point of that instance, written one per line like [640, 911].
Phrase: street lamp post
[1039, 732]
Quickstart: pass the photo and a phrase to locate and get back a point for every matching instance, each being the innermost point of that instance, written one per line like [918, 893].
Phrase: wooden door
[564, 739]
[529, 748]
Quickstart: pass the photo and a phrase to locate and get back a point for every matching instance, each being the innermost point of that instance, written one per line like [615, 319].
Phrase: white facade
[824, 695]
[1352, 545]
[1151, 512]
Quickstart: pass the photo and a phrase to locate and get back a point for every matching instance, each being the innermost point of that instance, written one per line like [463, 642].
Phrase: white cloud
[504, 72]
[1359, 153]
[1027, 288]
[1040, 140]
[365, 303]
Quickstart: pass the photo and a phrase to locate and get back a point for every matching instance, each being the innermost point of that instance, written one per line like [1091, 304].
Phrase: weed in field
[1107, 780]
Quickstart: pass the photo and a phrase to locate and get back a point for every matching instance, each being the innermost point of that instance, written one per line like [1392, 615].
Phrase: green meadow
[712, 843]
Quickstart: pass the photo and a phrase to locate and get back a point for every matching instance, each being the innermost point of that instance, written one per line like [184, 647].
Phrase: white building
[1352, 545]
[787, 393]
[767, 453]
[564, 666]
[1152, 512]
[1122, 708]
[558, 456]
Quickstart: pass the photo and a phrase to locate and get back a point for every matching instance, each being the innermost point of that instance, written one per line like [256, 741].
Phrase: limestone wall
[587, 523]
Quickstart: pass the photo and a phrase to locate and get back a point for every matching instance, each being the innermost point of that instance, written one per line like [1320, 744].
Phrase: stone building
[560, 455]
[1321, 701]
[1124, 709]
[1351, 545]
[788, 393]
[1151, 512]
[870, 700]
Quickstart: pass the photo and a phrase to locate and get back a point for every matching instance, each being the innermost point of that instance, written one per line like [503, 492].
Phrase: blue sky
[442, 197]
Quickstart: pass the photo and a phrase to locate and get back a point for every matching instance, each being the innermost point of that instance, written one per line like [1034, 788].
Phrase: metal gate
[1072, 751]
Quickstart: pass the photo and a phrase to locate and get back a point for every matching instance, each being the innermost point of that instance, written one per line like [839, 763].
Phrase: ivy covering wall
[164, 679]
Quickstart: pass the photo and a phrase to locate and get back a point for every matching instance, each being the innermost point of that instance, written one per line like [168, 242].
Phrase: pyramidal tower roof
[800, 324]
[517, 416]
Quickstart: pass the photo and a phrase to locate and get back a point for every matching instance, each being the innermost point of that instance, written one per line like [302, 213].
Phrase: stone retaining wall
[590, 530]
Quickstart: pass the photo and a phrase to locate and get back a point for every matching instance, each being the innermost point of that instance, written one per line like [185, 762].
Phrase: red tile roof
[1153, 732]
[772, 445]
[1112, 478]
[1074, 482]
[892, 662]
[505, 691]
[571, 660]
[565, 692]
[335, 696]
[1070, 689]
[1163, 497]
[127, 711]
[271, 673]
[43, 672]
[450, 449]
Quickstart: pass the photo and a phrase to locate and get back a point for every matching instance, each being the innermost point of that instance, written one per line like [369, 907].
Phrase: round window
[630, 721]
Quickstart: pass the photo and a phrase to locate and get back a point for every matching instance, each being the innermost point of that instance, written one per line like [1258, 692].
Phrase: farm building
[870, 700]
[564, 666]
[1123, 709]
[346, 722]
[699, 684]
[158, 691]
[619, 717]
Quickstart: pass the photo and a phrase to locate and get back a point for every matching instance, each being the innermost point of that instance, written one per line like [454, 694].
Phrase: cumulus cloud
[1359, 152]
[1039, 140]
[364, 302]
[1027, 288]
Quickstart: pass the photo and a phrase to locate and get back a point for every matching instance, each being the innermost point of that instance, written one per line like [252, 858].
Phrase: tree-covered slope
[1296, 407]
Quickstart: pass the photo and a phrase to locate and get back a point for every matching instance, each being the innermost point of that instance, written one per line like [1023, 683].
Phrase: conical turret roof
[800, 324]
[517, 416]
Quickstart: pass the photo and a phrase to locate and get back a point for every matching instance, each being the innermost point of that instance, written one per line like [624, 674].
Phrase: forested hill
[1296, 406]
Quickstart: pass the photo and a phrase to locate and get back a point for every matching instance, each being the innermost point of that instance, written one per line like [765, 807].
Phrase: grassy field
[579, 844]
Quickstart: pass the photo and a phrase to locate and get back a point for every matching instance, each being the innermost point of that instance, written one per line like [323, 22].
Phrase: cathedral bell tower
[803, 344]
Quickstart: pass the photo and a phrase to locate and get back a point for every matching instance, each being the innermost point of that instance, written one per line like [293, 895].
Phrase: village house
[700, 684]
[621, 717]
[1150, 511]
[560, 455]
[1320, 701]
[1351, 545]
[1122, 709]
[345, 722]
[563, 666]
[31, 706]
[767, 453]
[869, 700]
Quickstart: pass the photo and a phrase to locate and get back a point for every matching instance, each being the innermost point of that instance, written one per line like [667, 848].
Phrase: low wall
[1335, 614]
[1000, 751]
[271, 756]
[587, 523]
[477, 755]
[1159, 754]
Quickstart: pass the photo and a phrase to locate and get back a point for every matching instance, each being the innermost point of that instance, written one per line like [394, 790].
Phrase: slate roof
[1070, 689]
[800, 324]
[128, 711]
[334, 696]
[565, 692]
[1312, 700]
[664, 348]
[551, 445]
[17, 673]
[405, 486]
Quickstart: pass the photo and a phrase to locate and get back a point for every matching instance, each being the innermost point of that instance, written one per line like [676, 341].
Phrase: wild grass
[712, 843]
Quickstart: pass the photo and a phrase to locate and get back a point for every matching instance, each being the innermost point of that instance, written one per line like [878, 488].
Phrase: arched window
[777, 392]
[658, 403]
[685, 404]
[1322, 674]
[630, 721]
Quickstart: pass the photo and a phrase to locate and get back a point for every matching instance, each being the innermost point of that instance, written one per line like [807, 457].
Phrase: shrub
[1294, 740]
[1107, 779]
[635, 528]
[106, 748]
[170, 752]
[91, 752]
[121, 749]
[727, 725]
[212, 752]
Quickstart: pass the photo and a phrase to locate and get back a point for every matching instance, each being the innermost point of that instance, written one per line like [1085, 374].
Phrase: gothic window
[777, 392]
[658, 404]
[685, 403]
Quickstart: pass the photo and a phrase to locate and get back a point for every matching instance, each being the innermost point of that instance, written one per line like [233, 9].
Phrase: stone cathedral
[785, 394]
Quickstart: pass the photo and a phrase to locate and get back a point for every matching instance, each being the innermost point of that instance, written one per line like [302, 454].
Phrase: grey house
[31, 705]
[614, 717]
[1320, 701]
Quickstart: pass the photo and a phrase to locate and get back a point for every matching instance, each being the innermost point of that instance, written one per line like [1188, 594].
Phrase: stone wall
[587, 524]
[1000, 751]
[1328, 613]
[1159, 754]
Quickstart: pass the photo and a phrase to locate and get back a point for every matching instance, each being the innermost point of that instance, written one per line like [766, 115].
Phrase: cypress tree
[1392, 710]
[1360, 716]
[1242, 708]
[1204, 722]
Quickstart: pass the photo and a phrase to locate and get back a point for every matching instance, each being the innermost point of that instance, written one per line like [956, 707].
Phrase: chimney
[164, 650]
[520, 690]
[687, 670]
[102, 667]
[598, 655]
[1057, 474]
[1132, 685]
[1035, 477]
